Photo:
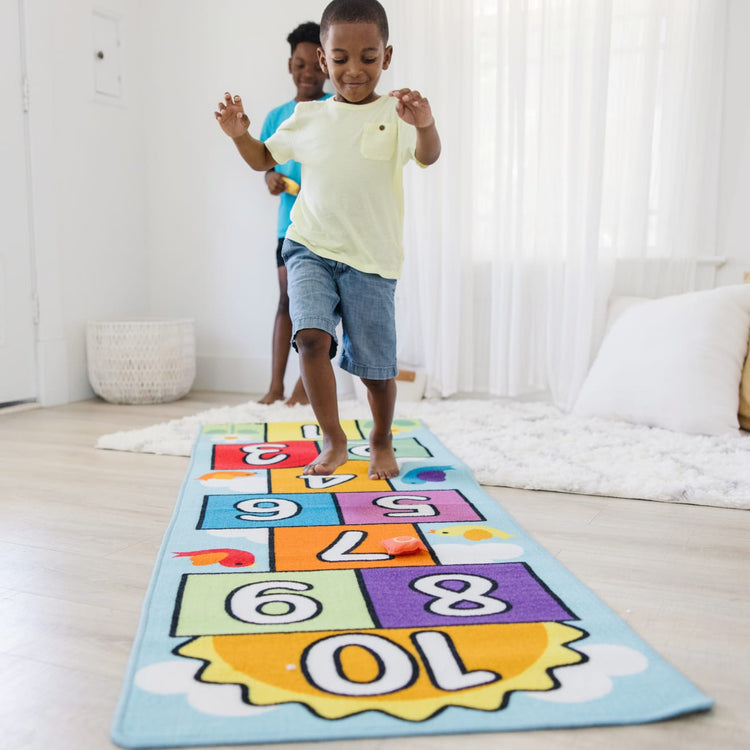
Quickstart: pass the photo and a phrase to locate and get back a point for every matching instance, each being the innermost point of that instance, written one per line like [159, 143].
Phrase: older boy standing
[308, 80]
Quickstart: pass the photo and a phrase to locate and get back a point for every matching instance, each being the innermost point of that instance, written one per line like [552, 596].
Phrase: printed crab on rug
[286, 607]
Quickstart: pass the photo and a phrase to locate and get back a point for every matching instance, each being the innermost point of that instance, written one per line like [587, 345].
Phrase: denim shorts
[324, 292]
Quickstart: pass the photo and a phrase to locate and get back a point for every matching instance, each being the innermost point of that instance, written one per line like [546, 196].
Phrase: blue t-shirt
[291, 169]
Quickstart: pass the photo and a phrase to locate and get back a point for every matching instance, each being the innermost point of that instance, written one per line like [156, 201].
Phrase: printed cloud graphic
[178, 678]
[455, 554]
[592, 680]
[258, 536]
[236, 481]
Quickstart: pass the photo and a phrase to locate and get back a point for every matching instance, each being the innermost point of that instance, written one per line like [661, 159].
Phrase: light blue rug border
[146, 719]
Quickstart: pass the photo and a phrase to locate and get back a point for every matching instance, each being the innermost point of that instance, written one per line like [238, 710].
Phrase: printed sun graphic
[407, 673]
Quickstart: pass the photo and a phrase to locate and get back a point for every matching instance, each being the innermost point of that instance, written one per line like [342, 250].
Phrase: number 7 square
[343, 547]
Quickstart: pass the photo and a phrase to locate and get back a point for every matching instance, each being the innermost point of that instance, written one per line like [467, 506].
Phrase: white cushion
[617, 306]
[674, 362]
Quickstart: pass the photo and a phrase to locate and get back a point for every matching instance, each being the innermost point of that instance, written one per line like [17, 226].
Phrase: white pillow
[674, 362]
[617, 306]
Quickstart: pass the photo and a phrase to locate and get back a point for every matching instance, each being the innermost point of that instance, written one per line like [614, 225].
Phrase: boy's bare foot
[271, 396]
[298, 395]
[333, 455]
[383, 464]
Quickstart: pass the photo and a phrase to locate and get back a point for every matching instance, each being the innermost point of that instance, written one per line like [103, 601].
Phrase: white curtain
[580, 152]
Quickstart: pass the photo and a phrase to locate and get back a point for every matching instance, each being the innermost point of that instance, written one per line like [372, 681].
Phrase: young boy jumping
[344, 249]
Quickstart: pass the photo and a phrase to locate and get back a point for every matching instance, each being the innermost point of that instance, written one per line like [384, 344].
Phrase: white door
[17, 330]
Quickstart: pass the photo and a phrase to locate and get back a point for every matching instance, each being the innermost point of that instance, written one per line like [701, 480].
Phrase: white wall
[144, 208]
[88, 177]
[212, 222]
[733, 231]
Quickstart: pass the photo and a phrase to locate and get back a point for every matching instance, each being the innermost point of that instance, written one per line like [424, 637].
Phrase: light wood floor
[80, 529]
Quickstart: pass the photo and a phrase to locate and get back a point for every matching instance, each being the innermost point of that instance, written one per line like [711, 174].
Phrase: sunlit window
[525, 139]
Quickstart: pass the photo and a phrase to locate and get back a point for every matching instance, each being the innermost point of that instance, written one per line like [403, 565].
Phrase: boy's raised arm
[234, 122]
[413, 108]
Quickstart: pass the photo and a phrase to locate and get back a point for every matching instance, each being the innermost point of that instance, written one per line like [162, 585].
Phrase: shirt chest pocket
[378, 141]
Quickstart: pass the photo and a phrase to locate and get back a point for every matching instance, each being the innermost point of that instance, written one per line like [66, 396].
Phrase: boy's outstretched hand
[413, 108]
[234, 122]
[231, 116]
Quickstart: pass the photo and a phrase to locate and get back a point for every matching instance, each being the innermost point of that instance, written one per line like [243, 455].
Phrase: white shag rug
[530, 445]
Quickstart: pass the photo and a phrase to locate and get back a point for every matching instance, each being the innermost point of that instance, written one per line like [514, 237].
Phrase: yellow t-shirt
[351, 206]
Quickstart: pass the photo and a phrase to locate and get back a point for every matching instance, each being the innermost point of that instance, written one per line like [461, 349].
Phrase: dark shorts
[279, 259]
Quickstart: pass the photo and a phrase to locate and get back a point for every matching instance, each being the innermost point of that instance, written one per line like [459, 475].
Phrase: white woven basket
[141, 361]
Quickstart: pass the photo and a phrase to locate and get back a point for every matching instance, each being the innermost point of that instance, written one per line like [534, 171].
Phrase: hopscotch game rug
[286, 607]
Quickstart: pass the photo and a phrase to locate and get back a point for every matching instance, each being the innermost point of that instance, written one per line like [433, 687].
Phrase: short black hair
[305, 32]
[355, 11]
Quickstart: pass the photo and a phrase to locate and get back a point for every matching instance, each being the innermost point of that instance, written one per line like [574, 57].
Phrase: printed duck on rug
[282, 608]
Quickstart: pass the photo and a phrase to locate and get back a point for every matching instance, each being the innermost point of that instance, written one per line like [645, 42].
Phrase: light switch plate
[107, 56]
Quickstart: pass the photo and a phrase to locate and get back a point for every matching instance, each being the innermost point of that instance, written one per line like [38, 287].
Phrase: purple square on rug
[460, 595]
